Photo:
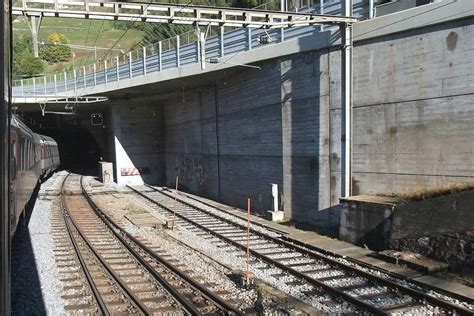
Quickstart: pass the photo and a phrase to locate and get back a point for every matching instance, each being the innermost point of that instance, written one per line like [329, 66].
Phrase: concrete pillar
[202, 49]
[34, 28]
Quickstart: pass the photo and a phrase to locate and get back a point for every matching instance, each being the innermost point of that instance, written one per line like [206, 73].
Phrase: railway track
[123, 274]
[366, 289]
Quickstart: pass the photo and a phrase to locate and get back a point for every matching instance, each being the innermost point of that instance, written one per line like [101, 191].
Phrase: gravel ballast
[36, 288]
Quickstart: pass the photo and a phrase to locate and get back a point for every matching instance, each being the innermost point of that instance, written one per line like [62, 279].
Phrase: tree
[24, 63]
[56, 49]
[30, 66]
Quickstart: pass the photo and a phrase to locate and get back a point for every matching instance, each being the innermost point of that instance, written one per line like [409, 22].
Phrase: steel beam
[55, 99]
[173, 14]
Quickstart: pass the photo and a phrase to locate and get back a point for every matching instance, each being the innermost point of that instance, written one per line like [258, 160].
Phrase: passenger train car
[33, 156]
[5, 100]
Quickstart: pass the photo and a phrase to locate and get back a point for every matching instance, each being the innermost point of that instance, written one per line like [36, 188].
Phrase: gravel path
[36, 289]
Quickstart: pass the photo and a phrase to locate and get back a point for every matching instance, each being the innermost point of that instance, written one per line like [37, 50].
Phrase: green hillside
[82, 32]
[121, 36]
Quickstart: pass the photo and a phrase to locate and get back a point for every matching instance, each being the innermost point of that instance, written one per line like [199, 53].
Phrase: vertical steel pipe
[177, 51]
[130, 70]
[84, 75]
[105, 71]
[94, 68]
[346, 100]
[117, 70]
[249, 38]
[160, 51]
[221, 41]
[144, 60]
[74, 73]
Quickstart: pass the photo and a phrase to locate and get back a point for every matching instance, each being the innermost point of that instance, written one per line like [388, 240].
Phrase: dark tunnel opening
[81, 144]
[78, 148]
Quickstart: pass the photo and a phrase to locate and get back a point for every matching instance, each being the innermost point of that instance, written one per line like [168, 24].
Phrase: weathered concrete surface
[229, 136]
[440, 228]
[414, 110]
[367, 220]
[445, 214]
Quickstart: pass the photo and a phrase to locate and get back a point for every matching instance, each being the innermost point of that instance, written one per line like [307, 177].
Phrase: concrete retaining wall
[229, 138]
[440, 227]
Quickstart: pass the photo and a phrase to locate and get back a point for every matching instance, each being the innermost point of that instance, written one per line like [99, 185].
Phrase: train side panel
[24, 169]
[49, 155]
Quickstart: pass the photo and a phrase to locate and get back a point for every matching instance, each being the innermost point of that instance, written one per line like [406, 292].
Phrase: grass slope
[76, 30]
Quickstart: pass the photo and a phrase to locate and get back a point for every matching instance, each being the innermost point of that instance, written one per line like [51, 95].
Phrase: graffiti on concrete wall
[191, 170]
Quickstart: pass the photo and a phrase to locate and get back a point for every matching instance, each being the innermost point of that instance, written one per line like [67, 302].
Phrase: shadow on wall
[305, 97]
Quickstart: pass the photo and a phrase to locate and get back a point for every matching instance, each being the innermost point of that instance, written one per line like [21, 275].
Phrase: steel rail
[448, 306]
[116, 277]
[189, 306]
[225, 306]
[310, 249]
[275, 230]
[334, 291]
[305, 246]
[100, 302]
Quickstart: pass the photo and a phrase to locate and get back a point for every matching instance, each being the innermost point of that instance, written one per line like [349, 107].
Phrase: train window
[13, 160]
[30, 153]
[22, 154]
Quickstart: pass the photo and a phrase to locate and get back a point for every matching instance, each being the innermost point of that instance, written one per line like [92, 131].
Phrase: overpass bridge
[173, 57]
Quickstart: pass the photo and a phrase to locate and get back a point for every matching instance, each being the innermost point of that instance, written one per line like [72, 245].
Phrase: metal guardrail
[171, 53]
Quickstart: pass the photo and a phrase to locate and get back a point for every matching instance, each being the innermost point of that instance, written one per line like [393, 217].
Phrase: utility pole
[34, 28]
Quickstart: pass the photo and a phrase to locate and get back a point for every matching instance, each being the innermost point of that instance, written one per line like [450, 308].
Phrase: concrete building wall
[229, 139]
[414, 110]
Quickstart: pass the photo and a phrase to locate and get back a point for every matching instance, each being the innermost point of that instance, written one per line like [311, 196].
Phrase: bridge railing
[167, 54]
